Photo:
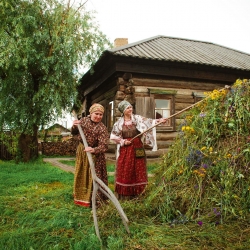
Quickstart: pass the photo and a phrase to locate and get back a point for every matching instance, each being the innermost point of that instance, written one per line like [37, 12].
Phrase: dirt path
[56, 162]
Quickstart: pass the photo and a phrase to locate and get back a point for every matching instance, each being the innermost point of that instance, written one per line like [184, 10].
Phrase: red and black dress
[131, 172]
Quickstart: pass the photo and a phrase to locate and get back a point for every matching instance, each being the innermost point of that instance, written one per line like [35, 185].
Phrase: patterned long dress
[97, 137]
[131, 172]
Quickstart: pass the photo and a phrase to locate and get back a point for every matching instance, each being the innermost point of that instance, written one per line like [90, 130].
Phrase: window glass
[162, 108]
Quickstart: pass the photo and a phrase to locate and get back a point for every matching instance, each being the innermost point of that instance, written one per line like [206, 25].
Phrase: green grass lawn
[37, 212]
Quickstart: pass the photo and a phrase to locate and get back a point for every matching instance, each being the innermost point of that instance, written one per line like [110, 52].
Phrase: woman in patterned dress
[97, 138]
[131, 172]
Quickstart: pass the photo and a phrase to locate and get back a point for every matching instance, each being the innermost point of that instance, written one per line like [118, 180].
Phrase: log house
[159, 76]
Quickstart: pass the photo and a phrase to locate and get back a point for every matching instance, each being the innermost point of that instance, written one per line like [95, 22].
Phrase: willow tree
[43, 43]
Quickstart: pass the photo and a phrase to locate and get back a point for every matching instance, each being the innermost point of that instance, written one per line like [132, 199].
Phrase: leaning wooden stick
[98, 184]
[181, 111]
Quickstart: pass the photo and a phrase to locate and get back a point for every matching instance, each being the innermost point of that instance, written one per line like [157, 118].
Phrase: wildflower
[180, 171]
[202, 114]
[203, 148]
[238, 82]
[187, 129]
[216, 94]
[216, 212]
[183, 128]
[199, 223]
[205, 166]
[240, 176]
[201, 172]
[189, 117]
[195, 157]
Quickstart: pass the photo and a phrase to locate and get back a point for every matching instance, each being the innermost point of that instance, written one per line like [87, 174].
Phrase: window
[162, 108]
[156, 106]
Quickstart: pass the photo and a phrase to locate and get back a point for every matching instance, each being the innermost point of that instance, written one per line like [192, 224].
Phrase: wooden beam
[182, 70]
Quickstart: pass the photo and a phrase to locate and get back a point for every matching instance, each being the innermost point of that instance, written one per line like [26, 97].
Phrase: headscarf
[96, 107]
[123, 105]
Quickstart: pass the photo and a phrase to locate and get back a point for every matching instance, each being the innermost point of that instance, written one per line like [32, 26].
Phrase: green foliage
[10, 141]
[43, 45]
[206, 172]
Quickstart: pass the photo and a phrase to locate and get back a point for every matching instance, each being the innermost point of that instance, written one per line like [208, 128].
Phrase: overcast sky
[224, 22]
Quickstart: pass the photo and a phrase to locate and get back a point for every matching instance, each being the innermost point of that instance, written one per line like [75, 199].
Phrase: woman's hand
[127, 142]
[76, 122]
[162, 120]
[90, 149]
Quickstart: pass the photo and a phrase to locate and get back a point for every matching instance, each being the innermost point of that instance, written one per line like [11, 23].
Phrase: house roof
[57, 126]
[172, 49]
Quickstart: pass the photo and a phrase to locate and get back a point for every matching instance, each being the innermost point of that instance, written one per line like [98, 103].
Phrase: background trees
[43, 44]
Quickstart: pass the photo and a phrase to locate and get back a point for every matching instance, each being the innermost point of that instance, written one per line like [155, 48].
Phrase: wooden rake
[98, 184]
[181, 111]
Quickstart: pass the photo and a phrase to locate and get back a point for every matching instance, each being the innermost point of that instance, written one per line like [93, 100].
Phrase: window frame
[170, 97]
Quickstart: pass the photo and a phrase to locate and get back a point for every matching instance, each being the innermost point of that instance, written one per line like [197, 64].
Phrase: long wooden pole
[98, 184]
[181, 111]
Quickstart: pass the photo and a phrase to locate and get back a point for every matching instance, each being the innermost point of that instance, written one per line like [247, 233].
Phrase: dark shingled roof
[172, 49]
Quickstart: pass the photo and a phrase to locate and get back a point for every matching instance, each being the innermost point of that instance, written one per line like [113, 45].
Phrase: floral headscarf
[96, 107]
[123, 105]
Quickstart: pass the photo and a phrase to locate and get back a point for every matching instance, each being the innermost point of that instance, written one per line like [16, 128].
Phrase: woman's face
[96, 116]
[128, 111]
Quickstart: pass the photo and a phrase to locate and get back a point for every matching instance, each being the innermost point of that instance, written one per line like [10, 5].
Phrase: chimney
[120, 42]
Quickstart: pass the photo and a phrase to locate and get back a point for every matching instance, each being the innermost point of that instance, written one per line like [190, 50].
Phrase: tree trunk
[28, 146]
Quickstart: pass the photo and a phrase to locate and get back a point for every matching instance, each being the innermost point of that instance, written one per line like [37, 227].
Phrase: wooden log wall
[183, 97]
[185, 90]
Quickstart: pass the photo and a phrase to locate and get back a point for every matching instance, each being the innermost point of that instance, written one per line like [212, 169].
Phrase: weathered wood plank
[174, 85]
[184, 100]
[167, 136]
[145, 106]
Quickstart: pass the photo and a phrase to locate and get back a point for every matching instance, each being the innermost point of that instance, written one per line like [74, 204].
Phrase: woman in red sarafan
[97, 138]
[131, 171]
